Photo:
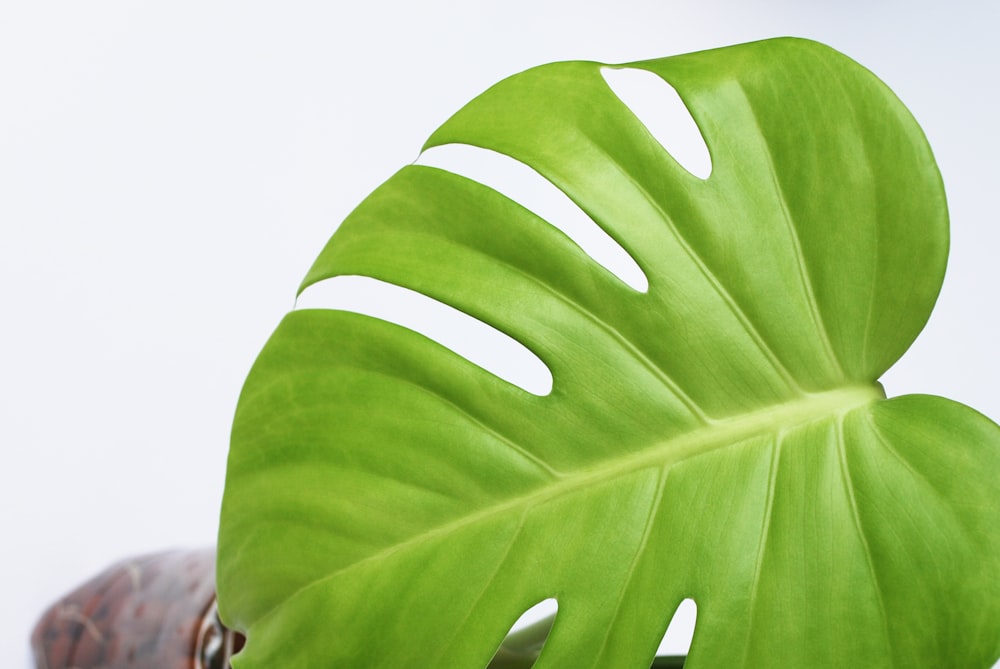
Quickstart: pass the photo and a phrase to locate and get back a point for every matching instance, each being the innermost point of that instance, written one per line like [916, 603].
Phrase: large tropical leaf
[721, 436]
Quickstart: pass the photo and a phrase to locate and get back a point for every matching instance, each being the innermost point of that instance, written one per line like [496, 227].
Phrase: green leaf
[721, 436]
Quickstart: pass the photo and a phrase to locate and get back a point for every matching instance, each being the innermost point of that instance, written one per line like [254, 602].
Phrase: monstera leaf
[720, 436]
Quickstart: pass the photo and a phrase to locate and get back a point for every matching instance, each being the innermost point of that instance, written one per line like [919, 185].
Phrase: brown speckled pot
[151, 612]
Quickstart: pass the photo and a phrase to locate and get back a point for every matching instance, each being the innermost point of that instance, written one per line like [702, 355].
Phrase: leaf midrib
[717, 434]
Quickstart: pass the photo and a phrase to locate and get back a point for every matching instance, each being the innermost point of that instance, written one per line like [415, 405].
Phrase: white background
[168, 172]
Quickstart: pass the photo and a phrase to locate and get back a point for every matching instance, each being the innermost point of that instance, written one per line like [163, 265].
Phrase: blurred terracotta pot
[151, 612]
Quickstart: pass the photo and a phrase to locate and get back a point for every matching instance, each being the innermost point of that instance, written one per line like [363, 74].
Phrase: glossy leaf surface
[721, 436]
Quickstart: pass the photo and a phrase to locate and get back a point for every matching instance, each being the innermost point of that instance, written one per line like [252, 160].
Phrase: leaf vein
[657, 500]
[746, 323]
[762, 542]
[721, 434]
[789, 220]
[859, 527]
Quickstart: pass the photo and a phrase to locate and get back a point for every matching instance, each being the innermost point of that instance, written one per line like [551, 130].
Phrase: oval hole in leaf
[680, 631]
[534, 192]
[658, 106]
[527, 636]
[469, 337]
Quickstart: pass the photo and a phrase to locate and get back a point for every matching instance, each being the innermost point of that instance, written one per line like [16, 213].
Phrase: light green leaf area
[721, 436]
